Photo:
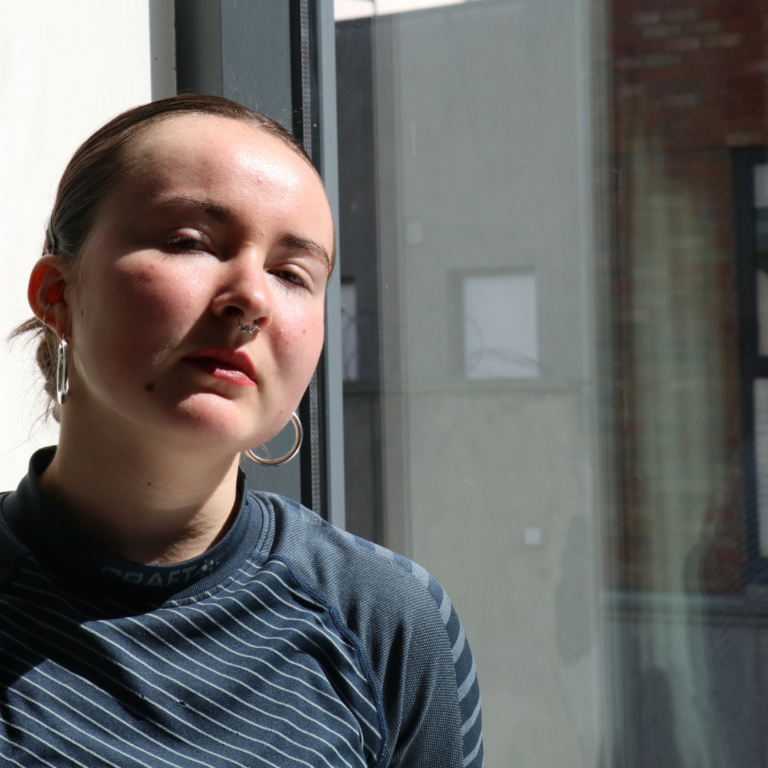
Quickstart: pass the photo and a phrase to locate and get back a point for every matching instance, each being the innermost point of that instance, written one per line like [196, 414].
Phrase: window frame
[753, 366]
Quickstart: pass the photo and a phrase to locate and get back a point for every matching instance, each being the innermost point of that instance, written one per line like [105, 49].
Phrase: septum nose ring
[246, 328]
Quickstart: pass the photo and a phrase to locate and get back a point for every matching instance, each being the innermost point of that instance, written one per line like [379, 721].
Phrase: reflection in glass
[761, 459]
[500, 338]
[477, 431]
[537, 210]
[349, 340]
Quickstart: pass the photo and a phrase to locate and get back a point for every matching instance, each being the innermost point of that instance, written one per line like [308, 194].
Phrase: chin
[219, 423]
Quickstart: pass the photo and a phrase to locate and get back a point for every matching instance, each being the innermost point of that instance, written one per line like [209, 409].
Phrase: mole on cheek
[149, 387]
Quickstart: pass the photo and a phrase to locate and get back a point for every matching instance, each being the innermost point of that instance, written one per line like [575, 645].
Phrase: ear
[47, 286]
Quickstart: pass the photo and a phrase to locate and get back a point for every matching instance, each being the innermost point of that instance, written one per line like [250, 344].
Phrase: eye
[184, 243]
[290, 277]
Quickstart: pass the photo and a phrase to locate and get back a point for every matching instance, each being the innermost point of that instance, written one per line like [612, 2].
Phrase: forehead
[215, 146]
[254, 178]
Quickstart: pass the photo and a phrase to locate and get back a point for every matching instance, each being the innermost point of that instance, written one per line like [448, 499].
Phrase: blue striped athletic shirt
[288, 643]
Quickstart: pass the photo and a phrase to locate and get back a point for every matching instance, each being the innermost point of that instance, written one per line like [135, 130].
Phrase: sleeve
[409, 636]
[431, 693]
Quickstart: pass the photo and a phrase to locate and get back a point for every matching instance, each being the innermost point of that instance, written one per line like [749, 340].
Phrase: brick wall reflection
[689, 84]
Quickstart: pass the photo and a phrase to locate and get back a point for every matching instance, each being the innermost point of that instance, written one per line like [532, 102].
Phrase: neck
[146, 503]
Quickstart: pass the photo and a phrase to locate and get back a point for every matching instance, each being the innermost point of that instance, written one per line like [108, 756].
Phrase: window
[751, 183]
[349, 341]
[500, 326]
[537, 208]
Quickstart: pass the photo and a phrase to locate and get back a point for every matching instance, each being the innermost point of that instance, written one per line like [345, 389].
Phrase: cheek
[148, 296]
[162, 295]
[127, 312]
[299, 340]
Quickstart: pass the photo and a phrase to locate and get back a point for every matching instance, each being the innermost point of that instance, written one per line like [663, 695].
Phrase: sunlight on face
[214, 222]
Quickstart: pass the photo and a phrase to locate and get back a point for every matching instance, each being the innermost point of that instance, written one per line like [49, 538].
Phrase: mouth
[229, 365]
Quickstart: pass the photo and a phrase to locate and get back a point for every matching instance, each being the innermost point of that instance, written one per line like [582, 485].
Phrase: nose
[244, 295]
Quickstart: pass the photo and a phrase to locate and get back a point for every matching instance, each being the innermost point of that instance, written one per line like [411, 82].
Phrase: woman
[153, 611]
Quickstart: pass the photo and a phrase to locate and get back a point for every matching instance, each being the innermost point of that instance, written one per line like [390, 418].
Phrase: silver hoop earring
[62, 363]
[288, 456]
[247, 328]
[62, 371]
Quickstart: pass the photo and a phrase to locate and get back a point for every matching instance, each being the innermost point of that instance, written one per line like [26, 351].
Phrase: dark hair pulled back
[95, 168]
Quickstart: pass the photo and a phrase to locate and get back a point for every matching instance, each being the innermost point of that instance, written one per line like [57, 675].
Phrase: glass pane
[538, 217]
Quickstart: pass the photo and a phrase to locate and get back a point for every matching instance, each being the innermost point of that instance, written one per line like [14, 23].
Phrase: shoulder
[348, 569]
[407, 629]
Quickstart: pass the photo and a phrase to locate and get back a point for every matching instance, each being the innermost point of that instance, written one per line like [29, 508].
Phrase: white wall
[66, 67]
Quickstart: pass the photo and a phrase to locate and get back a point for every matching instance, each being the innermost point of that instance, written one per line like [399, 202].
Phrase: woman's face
[213, 221]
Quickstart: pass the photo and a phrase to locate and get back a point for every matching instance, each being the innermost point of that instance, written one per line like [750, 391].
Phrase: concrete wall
[67, 67]
[484, 166]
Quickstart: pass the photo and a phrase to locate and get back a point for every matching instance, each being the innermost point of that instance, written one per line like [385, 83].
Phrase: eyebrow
[297, 243]
[215, 211]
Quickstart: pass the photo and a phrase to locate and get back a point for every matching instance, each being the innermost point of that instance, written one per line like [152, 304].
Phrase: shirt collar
[64, 549]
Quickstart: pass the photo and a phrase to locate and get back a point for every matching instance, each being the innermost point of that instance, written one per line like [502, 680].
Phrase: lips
[230, 365]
